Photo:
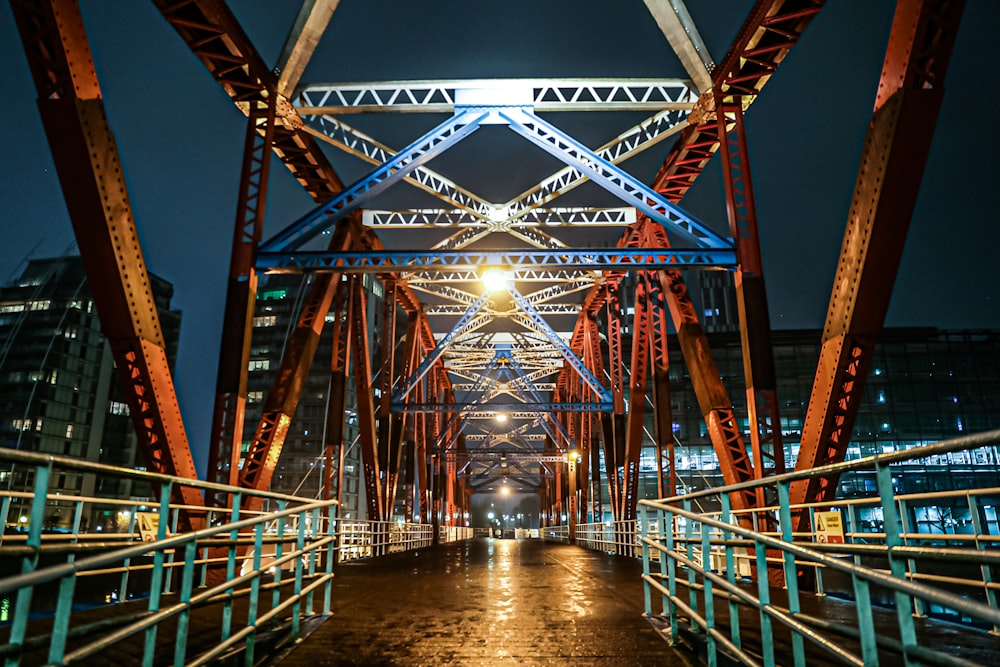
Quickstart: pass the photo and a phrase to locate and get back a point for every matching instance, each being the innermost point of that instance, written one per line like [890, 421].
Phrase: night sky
[181, 141]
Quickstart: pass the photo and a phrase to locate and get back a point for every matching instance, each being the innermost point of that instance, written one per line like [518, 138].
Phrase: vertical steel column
[614, 441]
[336, 407]
[639, 371]
[365, 400]
[592, 347]
[666, 475]
[713, 399]
[283, 397]
[90, 172]
[241, 295]
[892, 163]
[751, 296]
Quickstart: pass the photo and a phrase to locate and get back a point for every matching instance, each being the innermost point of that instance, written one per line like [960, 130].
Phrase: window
[21, 424]
[255, 396]
[274, 294]
[11, 307]
[118, 408]
[69, 430]
[265, 321]
[259, 364]
[42, 304]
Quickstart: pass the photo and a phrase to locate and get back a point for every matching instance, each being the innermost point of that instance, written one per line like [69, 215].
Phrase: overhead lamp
[505, 490]
[501, 417]
[495, 280]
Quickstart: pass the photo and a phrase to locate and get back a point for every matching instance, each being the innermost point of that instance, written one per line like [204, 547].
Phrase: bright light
[505, 490]
[501, 417]
[574, 455]
[491, 516]
[494, 280]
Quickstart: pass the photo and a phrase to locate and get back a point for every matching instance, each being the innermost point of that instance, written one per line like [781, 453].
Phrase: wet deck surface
[487, 602]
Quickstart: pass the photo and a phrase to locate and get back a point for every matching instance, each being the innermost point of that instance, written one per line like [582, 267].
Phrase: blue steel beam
[424, 149]
[543, 328]
[513, 408]
[428, 261]
[464, 325]
[630, 190]
[533, 393]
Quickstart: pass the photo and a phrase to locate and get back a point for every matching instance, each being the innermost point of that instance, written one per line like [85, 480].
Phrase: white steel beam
[542, 94]
[302, 41]
[679, 29]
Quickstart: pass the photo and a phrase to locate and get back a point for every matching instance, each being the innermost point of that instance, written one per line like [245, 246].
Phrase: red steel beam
[241, 295]
[340, 362]
[751, 296]
[892, 163]
[90, 172]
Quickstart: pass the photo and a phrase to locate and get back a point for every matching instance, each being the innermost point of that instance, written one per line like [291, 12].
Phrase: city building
[58, 391]
[300, 468]
[925, 385]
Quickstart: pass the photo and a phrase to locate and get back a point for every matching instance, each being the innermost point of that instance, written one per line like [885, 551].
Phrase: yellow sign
[829, 528]
[149, 526]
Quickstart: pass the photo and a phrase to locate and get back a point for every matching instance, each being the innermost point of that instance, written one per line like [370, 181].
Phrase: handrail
[710, 554]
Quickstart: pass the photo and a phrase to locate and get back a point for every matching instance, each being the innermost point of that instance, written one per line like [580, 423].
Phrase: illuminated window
[260, 364]
[69, 430]
[274, 294]
[11, 307]
[118, 408]
[255, 396]
[265, 321]
[42, 304]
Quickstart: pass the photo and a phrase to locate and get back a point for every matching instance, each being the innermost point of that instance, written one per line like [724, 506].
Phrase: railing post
[300, 544]
[734, 609]
[227, 607]
[316, 532]
[252, 606]
[183, 618]
[156, 581]
[671, 563]
[331, 554]
[279, 548]
[764, 593]
[689, 549]
[987, 570]
[911, 564]
[891, 521]
[791, 576]
[706, 566]
[23, 603]
[643, 536]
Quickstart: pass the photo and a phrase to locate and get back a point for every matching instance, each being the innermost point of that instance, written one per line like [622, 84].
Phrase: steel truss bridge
[567, 340]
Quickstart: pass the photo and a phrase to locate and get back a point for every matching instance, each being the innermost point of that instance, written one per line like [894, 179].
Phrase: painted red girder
[241, 295]
[217, 40]
[282, 399]
[751, 297]
[895, 151]
[367, 433]
[340, 362]
[90, 172]
[638, 375]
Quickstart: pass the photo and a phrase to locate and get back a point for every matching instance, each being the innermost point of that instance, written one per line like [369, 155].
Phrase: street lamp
[495, 280]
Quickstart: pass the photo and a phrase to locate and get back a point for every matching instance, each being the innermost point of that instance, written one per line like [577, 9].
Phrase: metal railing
[613, 537]
[261, 568]
[370, 539]
[890, 550]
